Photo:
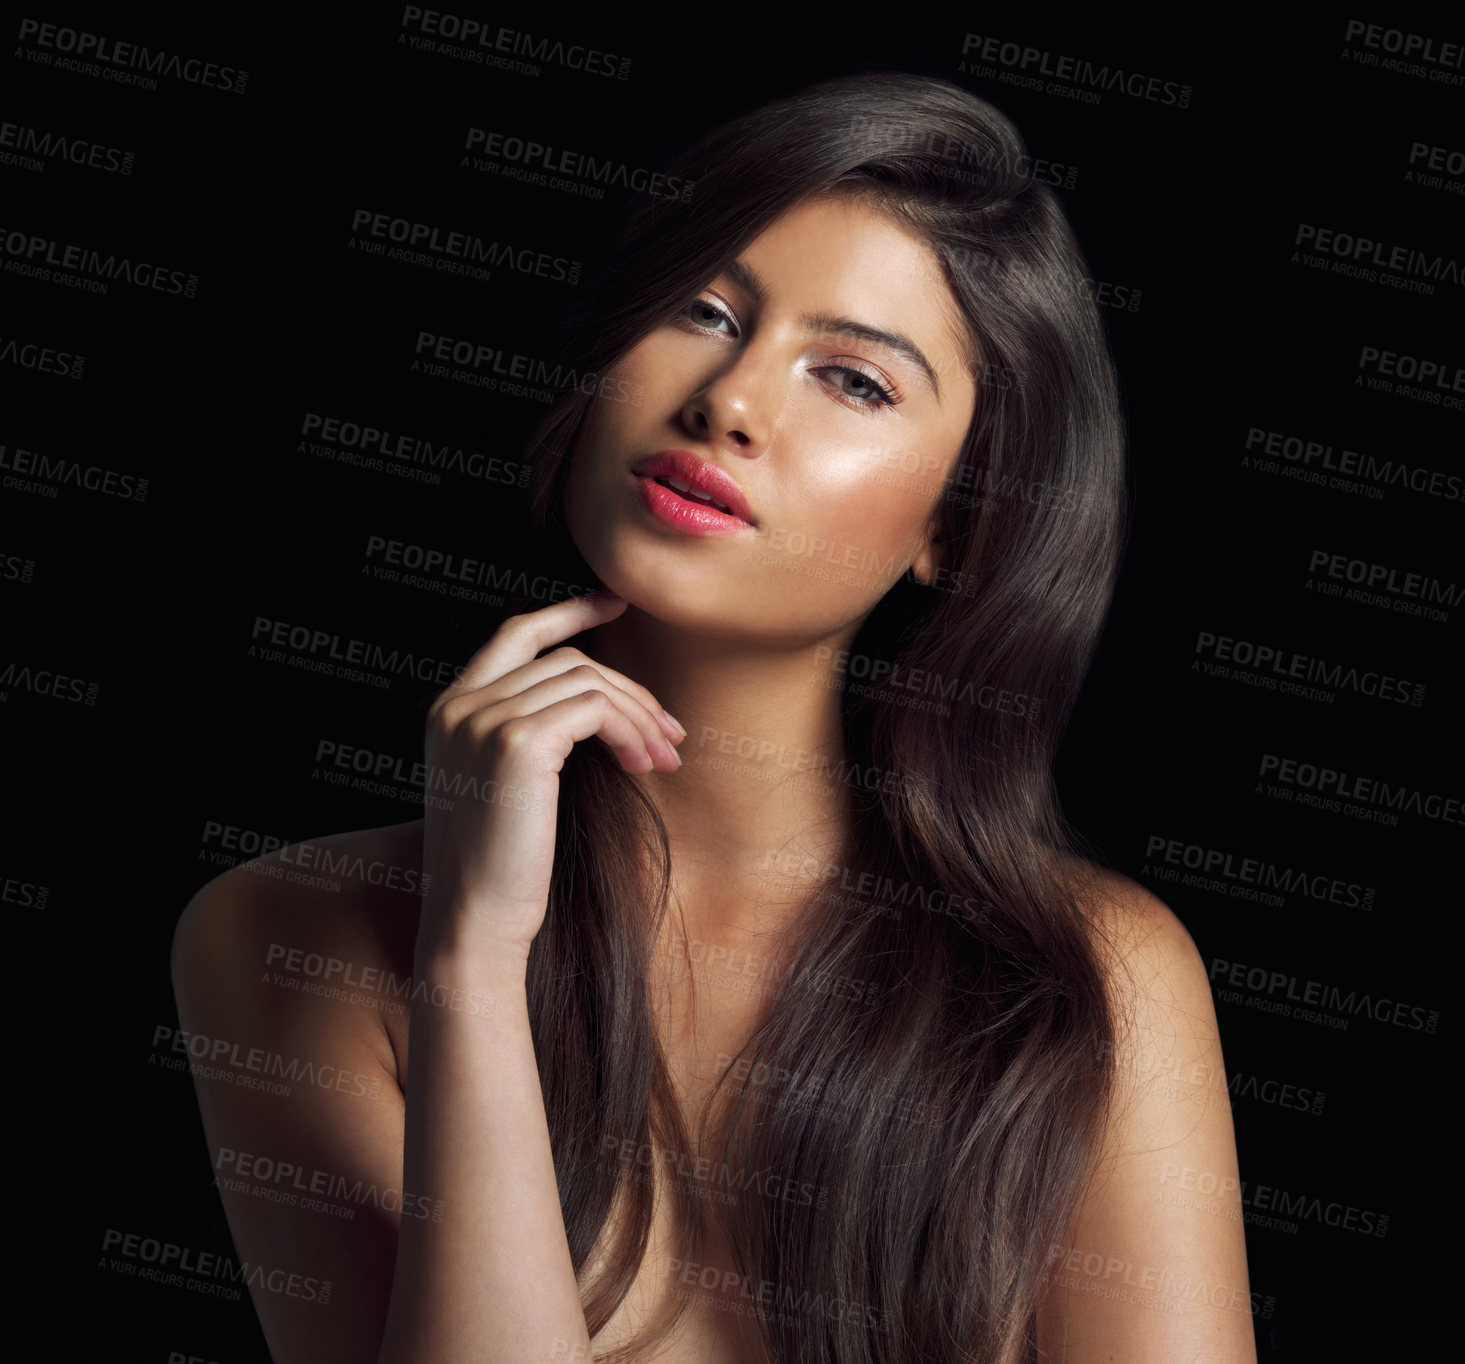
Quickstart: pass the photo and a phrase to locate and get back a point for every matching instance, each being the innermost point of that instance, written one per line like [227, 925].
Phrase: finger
[572, 714]
[519, 638]
[563, 660]
[634, 731]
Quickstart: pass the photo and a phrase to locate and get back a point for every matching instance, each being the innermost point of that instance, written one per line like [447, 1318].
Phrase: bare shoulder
[361, 866]
[1147, 1272]
[291, 973]
[327, 919]
[1149, 959]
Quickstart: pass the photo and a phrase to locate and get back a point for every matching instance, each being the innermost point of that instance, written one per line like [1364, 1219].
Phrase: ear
[926, 563]
[930, 557]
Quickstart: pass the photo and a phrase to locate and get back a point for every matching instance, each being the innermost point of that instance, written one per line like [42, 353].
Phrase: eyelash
[884, 395]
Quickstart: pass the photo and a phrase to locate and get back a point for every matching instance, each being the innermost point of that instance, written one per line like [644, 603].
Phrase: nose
[736, 408]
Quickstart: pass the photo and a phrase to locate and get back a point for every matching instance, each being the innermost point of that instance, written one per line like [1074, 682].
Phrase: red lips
[701, 475]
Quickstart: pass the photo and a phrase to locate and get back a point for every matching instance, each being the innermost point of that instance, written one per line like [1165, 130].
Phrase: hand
[496, 742]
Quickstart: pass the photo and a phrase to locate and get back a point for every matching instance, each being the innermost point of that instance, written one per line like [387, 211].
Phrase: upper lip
[700, 474]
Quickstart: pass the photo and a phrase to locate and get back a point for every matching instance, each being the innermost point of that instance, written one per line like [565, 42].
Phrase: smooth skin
[738, 635]
[737, 638]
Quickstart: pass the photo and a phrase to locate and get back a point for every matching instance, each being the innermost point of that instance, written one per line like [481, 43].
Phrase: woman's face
[825, 372]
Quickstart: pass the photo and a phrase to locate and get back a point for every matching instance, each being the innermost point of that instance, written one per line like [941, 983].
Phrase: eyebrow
[903, 346]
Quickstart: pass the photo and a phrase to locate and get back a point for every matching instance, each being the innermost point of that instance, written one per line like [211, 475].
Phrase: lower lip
[692, 517]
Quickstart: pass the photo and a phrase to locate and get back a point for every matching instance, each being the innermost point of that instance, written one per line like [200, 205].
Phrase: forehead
[843, 254]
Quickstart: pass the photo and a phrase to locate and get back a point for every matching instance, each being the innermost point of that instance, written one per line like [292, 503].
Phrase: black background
[154, 600]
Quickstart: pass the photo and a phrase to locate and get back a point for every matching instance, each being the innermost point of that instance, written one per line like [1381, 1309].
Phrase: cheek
[868, 494]
[607, 430]
[844, 541]
[588, 468]
[579, 461]
[654, 367]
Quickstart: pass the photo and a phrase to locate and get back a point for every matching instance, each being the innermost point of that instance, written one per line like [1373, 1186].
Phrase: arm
[274, 1155]
[492, 1279]
[1152, 1271]
[473, 1267]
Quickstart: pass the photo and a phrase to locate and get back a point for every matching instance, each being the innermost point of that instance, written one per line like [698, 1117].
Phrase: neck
[759, 807]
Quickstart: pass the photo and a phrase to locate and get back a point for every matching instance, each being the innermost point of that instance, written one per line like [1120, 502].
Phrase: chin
[681, 605]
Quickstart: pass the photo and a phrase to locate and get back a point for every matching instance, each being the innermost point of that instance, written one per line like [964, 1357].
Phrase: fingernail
[680, 728]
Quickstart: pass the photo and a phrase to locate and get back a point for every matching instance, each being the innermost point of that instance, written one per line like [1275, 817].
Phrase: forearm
[492, 1282]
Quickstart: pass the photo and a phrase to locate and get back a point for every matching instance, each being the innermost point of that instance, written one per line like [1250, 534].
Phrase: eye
[853, 387]
[704, 317]
[858, 389]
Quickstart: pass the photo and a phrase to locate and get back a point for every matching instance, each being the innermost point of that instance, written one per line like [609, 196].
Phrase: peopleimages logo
[1410, 54]
[1346, 469]
[53, 472]
[560, 168]
[417, 458]
[46, 682]
[41, 358]
[1383, 577]
[94, 54]
[169, 1262]
[1074, 77]
[234, 1169]
[1258, 1199]
[1281, 991]
[1297, 674]
[490, 364]
[1247, 878]
[327, 646]
[464, 248]
[32, 255]
[1437, 381]
[450, 35]
[1370, 256]
[1339, 789]
[36, 145]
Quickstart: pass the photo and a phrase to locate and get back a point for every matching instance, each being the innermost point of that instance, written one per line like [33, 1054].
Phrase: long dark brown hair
[950, 1109]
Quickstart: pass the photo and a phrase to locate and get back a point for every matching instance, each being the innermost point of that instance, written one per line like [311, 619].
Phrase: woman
[795, 1028]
